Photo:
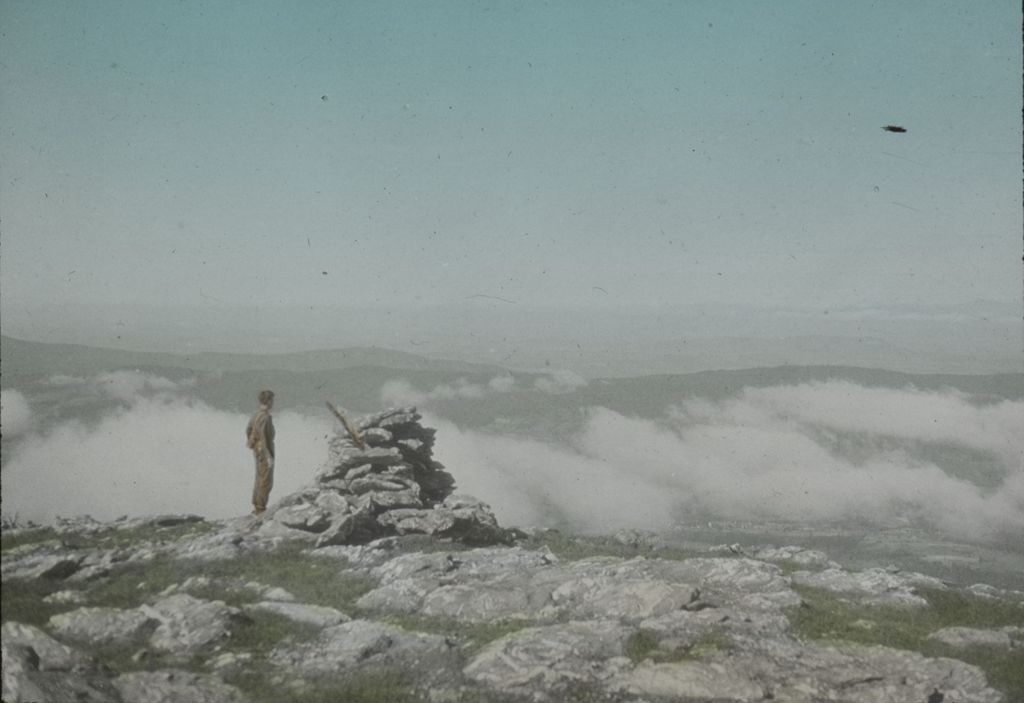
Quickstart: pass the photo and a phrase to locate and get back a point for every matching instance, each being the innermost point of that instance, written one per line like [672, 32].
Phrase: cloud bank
[811, 453]
[401, 392]
[779, 453]
[159, 452]
[15, 413]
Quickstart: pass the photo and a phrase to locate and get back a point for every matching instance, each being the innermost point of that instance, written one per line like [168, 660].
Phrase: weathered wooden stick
[352, 431]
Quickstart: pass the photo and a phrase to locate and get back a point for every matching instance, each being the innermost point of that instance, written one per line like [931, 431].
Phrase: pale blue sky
[578, 153]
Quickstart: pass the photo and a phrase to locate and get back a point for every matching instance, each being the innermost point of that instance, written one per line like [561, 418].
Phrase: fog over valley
[800, 445]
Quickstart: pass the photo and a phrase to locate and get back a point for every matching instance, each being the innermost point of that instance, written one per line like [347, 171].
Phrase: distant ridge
[24, 357]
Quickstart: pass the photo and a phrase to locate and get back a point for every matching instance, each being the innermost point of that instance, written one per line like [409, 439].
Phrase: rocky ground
[377, 584]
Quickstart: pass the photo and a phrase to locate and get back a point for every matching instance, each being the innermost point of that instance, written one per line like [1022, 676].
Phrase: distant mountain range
[355, 377]
[23, 357]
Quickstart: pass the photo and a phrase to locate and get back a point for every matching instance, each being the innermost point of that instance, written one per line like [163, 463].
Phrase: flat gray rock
[56, 566]
[808, 673]
[306, 517]
[187, 624]
[100, 626]
[699, 681]
[965, 637]
[876, 586]
[418, 521]
[355, 642]
[38, 669]
[797, 555]
[544, 659]
[629, 599]
[316, 615]
[222, 545]
[51, 655]
[685, 627]
[175, 686]
[483, 602]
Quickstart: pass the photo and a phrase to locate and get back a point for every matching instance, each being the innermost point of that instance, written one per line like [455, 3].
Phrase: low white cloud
[842, 406]
[401, 392]
[126, 386]
[767, 454]
[15, 413]
[529, 482]
[561, 381]
[502, 384]
[764, 454]
[159, 454]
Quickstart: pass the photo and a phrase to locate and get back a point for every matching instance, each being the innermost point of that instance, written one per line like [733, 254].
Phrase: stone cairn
[389, 486]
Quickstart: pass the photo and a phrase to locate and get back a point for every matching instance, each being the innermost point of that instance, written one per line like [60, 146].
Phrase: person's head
[266, 398]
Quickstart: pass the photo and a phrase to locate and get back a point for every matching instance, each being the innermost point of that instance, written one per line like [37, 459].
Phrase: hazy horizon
[561, 154]
[977, 337]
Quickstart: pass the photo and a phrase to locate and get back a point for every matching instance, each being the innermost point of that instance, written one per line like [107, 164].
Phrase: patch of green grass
[711, 642]
[22, 601]
[826, 616]
[123, 537]
[260, 632]
[573, 548]
[131, 585]
[379, 685]
[471, 635]
[647, 645]
[107, 537]
[790, 567]
[310, 580]
[42, 536]
[642, 644]
[122, 658]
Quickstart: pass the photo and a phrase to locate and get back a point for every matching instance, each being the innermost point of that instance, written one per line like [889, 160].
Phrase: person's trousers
[264, 482]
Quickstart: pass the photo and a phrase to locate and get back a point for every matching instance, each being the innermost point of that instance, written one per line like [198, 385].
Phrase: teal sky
[548, 153]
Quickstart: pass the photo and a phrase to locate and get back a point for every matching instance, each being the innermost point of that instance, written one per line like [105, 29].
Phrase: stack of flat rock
[389, 486]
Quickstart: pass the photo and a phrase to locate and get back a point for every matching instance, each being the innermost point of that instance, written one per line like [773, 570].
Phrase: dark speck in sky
[895, 128]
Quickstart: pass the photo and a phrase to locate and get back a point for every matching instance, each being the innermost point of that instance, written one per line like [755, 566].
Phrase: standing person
[260, 439]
